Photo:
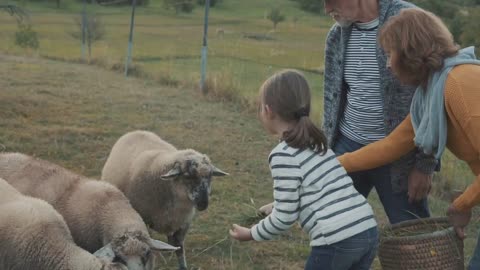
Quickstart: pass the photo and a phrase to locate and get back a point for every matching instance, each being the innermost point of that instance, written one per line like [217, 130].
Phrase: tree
[185, 6]
[94, 31]
[13, 10]
[471, 30]
[26, 37]
[275, 16]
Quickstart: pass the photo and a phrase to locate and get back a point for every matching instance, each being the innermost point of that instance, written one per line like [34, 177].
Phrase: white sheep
[34, 236]
[164, 185]
[97, 213]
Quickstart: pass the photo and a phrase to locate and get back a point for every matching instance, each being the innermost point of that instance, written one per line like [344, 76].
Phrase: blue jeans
[396, 204]
[354, 253]
[475, 260]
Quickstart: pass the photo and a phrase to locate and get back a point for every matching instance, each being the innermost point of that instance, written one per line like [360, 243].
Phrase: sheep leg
[177, 240]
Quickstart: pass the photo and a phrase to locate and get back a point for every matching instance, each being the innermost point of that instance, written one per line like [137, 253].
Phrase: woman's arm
[394, 146]
[470, 197]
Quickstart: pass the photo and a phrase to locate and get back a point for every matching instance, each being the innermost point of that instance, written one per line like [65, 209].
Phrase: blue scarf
[429, 117]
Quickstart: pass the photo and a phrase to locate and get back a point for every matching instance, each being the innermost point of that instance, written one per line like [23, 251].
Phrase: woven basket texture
[421, 244]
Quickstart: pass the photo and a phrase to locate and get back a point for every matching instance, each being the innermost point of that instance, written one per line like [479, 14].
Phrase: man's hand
[266, 209]
[459, 220]
[241, 233]
[419, 185]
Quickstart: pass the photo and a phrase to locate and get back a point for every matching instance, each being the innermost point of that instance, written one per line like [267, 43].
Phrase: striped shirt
[363, 119]
[316, 191]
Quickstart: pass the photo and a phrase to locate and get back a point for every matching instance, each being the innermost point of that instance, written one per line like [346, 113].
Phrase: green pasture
[166, 44]
[72, 113]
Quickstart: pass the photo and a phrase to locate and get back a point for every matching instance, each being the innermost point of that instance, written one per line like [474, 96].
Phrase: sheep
[220, 32]
[97, 213]
[164, 185]
[33, 235]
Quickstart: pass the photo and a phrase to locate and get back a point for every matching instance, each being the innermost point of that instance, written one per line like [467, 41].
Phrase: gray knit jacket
[396, 98]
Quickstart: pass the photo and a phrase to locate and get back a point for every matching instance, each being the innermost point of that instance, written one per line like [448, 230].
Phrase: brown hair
[421, 41]
[288, 95]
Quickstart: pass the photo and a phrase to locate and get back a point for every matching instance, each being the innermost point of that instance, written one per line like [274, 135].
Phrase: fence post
[204, 49]
[84, 28]
[130, 38]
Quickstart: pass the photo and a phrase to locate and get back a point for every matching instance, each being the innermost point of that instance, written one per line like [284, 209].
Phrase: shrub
[26, 37]
[179, 6]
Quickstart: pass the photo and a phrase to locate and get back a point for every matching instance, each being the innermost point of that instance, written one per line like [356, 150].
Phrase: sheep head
[134, 249]
[195, 170]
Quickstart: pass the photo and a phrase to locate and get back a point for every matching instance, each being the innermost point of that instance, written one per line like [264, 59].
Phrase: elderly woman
[444, 111]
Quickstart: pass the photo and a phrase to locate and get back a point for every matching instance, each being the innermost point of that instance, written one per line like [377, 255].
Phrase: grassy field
[73, 113]
[168, 45]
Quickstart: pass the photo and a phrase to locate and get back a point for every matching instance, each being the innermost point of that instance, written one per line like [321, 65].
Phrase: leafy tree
[179, 6]
[275, 16]
[26, 37]
[13, 10]
[456, 26]
[443, 9]
[94, 30]
[471, 31]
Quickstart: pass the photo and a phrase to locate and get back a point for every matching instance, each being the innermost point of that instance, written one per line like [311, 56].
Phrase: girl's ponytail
[305, 134]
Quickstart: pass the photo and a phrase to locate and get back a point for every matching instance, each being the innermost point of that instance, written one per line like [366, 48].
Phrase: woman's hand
[459, 220]
[241, 233]
[419, 185]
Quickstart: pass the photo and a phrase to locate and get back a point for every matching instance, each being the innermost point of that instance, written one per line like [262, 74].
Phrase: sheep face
[133, 249]
[196, 175]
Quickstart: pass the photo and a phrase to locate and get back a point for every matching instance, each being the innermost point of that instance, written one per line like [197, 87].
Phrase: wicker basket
[422, 244]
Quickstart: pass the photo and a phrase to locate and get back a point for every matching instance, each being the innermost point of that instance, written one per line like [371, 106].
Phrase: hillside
[72, 114]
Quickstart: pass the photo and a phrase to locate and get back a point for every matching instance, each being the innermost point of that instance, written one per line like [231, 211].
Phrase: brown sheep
[97, 213]
[164, 185]
[34, 236]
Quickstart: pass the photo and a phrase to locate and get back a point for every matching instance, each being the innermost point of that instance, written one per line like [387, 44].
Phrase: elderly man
[363, 103]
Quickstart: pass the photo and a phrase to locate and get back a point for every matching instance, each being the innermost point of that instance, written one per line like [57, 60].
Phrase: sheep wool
[98, 215]
[165, 185]
[34, 236]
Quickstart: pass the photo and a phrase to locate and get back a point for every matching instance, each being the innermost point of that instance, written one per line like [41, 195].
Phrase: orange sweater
[462, 103]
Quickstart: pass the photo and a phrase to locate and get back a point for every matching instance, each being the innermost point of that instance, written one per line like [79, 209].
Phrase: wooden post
[130, 38]
[84, 29]
[204, 49]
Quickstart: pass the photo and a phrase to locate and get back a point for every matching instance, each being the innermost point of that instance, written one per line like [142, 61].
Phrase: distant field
[71, 113]
[166, 44]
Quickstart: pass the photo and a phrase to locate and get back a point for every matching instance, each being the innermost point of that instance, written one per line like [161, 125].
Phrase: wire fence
[167, 48]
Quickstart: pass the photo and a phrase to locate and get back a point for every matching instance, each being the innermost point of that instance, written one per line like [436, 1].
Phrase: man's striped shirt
[363, 119]
[316, 191]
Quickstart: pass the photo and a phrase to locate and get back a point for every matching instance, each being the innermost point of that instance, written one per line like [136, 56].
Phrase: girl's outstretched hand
[240, 233]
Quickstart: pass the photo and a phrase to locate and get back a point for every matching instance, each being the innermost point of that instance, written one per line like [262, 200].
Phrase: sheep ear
[174, 172]
[106, 253]
[161, 246]
[218, 172]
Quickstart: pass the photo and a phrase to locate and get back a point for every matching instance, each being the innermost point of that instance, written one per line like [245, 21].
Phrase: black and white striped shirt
[316, 191]
[363, 119]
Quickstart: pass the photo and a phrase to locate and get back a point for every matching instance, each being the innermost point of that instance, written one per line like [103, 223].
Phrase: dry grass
[72, 114]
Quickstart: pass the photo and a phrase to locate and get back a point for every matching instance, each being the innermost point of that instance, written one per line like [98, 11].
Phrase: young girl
[309, 184]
